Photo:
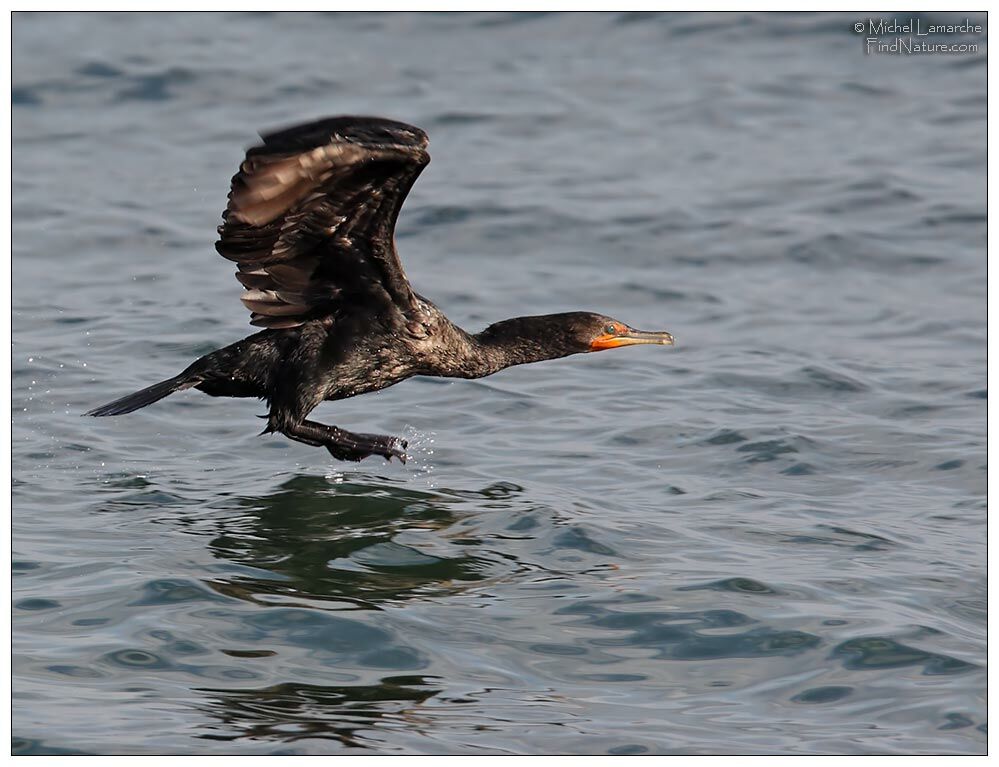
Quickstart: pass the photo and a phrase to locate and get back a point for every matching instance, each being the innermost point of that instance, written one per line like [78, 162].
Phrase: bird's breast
[369, 369]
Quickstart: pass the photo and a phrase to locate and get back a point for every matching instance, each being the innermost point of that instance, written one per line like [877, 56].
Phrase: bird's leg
[345, 445]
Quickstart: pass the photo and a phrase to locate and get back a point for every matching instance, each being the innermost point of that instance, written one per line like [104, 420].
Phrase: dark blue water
[770, 539]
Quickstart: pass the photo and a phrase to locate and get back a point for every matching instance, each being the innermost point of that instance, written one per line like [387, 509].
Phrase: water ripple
[769, 539]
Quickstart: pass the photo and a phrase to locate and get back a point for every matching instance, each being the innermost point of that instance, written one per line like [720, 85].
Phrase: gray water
[770, 539]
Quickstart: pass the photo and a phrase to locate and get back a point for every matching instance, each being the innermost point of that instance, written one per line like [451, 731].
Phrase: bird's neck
[517, 341]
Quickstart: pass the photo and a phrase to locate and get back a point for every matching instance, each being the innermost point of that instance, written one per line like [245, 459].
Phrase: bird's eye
[611, 329]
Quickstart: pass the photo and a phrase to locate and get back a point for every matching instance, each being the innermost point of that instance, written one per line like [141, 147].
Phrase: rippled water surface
[768, 539]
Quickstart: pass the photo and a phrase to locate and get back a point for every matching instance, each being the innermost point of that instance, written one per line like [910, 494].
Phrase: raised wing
[311, 218]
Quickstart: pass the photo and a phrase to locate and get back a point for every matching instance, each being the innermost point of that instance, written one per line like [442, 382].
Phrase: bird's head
[531, 339]
[575, 332]
[600, 332]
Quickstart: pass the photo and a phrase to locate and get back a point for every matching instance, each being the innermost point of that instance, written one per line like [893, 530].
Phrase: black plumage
[310, 224]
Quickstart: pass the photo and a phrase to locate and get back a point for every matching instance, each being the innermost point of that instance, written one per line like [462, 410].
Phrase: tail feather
[144, 397]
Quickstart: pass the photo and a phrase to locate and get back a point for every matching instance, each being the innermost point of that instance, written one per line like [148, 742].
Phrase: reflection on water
[331, 614]
[291, 712]
[879, 652]
[683, 635]
[321, 540]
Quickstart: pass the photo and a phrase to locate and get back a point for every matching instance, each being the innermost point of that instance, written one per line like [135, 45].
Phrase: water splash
[421, 453]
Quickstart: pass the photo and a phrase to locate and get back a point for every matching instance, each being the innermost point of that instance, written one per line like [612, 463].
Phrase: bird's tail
[146, 396]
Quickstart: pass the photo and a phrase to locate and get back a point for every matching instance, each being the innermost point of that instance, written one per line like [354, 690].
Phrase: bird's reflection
[308, 555]
[353, 542]
[294, 712]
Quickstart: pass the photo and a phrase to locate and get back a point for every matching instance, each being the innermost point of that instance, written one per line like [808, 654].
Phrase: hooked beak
[629, 338]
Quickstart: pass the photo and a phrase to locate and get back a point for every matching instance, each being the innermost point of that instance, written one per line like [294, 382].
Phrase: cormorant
[310, 224]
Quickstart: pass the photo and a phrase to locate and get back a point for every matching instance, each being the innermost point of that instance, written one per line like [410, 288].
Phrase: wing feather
[311, 218]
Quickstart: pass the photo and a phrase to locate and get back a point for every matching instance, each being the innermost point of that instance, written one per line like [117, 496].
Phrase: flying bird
[310, 225]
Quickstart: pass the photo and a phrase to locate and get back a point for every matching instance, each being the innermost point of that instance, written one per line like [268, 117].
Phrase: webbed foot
[357, 447]
[346, 445]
